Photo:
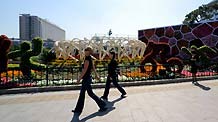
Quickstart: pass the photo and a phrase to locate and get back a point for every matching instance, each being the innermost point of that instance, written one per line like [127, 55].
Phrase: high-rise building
[33, 26]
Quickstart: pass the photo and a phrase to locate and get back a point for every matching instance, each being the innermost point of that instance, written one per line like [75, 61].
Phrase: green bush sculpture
[25, 53]
[202, 54]
[5, 44]
[47, 55]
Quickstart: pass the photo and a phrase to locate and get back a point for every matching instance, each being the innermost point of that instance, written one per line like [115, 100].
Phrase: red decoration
[5, 44]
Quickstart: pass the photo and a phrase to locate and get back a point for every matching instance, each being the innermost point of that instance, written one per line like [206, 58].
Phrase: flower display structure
[124, 47]
[159, 52]
[5, 44]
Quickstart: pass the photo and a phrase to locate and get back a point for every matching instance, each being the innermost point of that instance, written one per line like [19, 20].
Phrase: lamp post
[110, 33]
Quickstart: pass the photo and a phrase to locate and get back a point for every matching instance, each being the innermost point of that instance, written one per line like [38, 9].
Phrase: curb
[100, 85]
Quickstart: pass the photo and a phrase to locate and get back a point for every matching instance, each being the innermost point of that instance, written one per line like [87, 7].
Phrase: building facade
[34, 26]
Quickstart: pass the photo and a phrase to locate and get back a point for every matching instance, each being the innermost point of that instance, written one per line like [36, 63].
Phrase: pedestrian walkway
[181, 102]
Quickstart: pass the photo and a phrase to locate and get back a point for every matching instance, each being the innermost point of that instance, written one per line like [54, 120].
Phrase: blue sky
[84, 18]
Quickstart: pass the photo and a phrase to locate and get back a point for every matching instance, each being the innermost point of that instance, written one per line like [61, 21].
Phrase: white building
[33, 26]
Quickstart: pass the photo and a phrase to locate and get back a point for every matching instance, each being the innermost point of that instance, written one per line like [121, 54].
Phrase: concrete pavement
[181, 102]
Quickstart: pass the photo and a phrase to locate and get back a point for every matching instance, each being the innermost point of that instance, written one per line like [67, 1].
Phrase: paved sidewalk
[181, 102]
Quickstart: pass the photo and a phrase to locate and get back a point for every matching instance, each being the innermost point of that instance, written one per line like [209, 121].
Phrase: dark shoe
[102, 109]
[123, 95]
[76, 112]
[194, 82]
[104, 98]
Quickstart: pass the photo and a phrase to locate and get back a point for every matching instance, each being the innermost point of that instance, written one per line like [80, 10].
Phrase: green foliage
[13, 65]
[35, 63]
[34, 59]
[14, 54]
[27, 56]
[47, 55]
[206, 49]
[202, 54]
[37, 66]
[194, 47]
[15, 47]
[25, 45]
[186, 50]
[37, 46]
[204, 12]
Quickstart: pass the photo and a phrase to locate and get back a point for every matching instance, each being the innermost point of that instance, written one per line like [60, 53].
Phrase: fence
[68, 75]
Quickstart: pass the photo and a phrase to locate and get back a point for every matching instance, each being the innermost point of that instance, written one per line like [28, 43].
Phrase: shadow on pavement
[110, 106]
[75, 118]
[202, 86]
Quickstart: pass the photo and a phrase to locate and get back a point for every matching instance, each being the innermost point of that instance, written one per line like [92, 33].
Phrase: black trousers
[115, 82]
[86, 86]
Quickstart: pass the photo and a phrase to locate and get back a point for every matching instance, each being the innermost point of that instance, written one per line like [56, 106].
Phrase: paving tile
[181, 102]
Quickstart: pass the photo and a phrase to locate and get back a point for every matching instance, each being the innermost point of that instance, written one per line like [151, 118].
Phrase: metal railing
[68, 75]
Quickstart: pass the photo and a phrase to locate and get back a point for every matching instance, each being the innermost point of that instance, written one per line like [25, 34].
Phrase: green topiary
[201, 54]
[25, 53]
[47, 55]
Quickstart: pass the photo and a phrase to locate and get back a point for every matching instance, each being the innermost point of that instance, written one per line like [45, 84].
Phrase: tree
[204, 12]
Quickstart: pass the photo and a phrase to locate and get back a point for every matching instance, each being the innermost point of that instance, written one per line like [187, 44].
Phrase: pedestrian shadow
[75, 118]
[202, 86]
[110, 106]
